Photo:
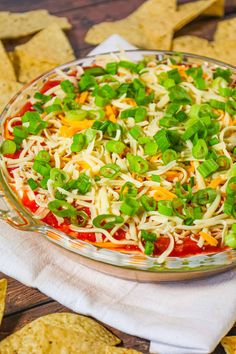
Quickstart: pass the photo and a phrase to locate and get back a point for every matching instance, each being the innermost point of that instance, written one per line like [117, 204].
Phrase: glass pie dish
[134, 266]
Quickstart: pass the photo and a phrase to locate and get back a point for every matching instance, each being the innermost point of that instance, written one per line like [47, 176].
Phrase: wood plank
[21, 297]
[12, 323]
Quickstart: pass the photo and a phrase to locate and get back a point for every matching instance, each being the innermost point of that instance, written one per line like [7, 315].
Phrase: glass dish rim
[142, 262]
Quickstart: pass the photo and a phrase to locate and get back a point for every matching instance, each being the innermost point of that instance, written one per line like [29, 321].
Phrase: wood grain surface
[25, 304]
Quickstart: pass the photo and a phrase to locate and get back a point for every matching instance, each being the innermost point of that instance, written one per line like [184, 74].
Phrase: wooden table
[23, 303]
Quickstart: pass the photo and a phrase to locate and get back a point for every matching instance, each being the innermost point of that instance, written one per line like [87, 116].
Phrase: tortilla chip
[62, 340]
[79, 325]
[6, 69]
[194, 45]
[217, 9]
[229, 344]
[156, 33]
[45, 338]
[225, 51]
[15, 25]
[7, 89]
[3, 292]
[222, 50]
[226, 30]
[47, 49]
[189, 11]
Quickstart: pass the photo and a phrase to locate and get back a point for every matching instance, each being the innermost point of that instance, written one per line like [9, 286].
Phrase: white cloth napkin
[178, 318]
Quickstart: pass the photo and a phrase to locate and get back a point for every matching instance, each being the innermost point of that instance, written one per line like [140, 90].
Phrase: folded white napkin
[182, 318]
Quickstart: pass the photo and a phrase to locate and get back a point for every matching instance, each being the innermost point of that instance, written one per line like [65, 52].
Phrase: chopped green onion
[41, 97]
[44, 183]
[223, 162]
[58, 176]
[79, 141]
[86, 82]
[174, 75]
[82, 184]
[43, 168]
[150, 148]
[43, 156]
[112, 68]
[140, 114]
[130, 206]
[61, 208]
[32, 183]
[162, 140]
[230, 240]
[101, 101]
[225, 91]
[179, 95]
[181, 116]
[148, 248]
[135, 132]
[95, 71]
[67, 86]
[20, 132]
[213, 141]
[165, 207]
[231, 186]
[168, 83]
[169, 155]
[128, 191]
[204, 196]
[8, 147]
[76, 115]
[107, 221]
[148, 203]
[115, 146]
[110, 170]
[137, 164]
[103, 126]
[207, 168]
[53, 108]
[127, 65]
[224, 73]
[194, 126]
[148, 236]
[155, 178]
[230, 205]
[200, 150]
[217, 104]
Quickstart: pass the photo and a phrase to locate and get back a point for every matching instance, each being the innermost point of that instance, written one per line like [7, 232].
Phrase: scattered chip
[15, 25]
[217, 9]
[189, 11]
[79, 325]
[226, 30]
[3, 291]
[50, 338]
[229, 344]
[8, 89]
[225, 51]
[154, 33]
[221, 50]
[193, 44]
[6, 69]
[62, 340]
[34, 57]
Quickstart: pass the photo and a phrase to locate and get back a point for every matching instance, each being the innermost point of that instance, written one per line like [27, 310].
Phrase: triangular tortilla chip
[221, 50]
[188, 12]
[46, 50]
[50, 45]
[217, 9]
[226, 30]
[6, 69]
[7, 90]
[194, 45]
[3, 291]
[15, 25]
[229, 344]
[147, 27]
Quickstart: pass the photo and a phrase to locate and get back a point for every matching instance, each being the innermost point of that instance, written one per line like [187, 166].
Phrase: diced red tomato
[49, 84]
[27, 107]
[51, 220]
[30, 204]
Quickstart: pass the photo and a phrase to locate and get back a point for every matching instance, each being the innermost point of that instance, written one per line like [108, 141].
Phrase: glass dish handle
[11, 215]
